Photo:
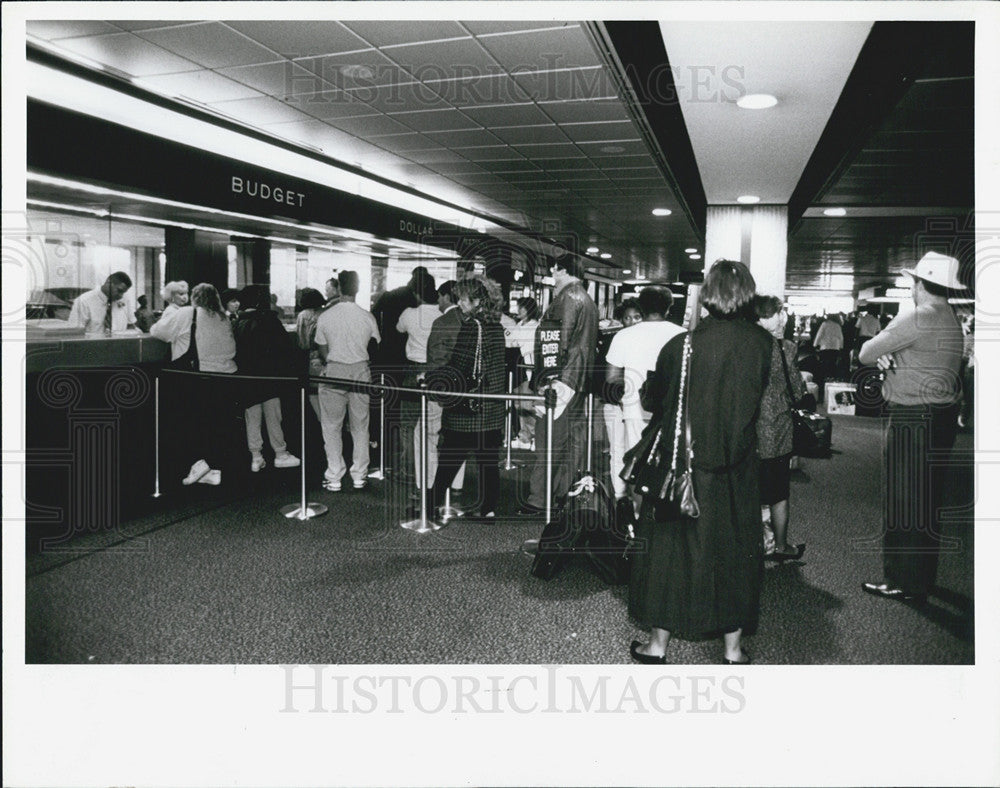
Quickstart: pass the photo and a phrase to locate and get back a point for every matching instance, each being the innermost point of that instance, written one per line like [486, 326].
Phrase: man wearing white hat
[920, 354]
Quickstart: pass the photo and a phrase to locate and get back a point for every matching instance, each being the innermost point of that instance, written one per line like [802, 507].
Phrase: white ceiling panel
[277, 79]
[259, 111]
[414, 97]
[369, 125]
[472, 138]
[600, 150]
[543, 151]
[149, 24]
[569, 85]
[594, 132]
[436, 120]
[212, 45]
[490, 27]
[330, 104]
[203, 86]
[443, 59]
[295, 39]
[481, 91]
[545, 50]
[53, 29]
[404, 143]
[527, 135]
[507, 115]
[352, 70]
[390, 32]
[129, 54]
[584, 111]
[490, 153]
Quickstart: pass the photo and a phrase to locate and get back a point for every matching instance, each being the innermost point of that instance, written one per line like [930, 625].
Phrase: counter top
[42, 353]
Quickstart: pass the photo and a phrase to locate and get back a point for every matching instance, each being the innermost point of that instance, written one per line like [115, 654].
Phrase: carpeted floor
[219, 576]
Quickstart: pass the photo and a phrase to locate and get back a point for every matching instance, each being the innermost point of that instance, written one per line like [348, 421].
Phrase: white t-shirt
[524, 338]
[508, 324]
[89, 310]
[635, 349]
[416, 322]
[346, 329]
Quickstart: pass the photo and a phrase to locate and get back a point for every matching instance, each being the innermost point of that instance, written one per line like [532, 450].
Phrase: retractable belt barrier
[305, 510]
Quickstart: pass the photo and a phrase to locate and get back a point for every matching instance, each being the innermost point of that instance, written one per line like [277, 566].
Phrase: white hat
[938, 269]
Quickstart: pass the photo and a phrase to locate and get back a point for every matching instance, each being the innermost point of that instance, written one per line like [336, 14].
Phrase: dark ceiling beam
[639, 49]
[892, 58]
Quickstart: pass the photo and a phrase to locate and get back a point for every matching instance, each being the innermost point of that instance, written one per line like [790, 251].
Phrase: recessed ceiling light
[690, 250]
[662, 212]
[592, 250]
[748, 199]
[757, 101]
[605, 255]
[695, 256]
[835, 212]
[357, 72]
[626, 270]
[612, 149]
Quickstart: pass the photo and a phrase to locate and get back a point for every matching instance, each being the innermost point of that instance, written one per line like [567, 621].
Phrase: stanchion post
[448, 512]
[590, 433]
[550, 407]
[303, 510]
[379, 473]
[156, 436]
[509, 464]
[423, 524]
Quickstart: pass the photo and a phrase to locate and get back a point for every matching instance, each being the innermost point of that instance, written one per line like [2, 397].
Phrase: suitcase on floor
[586, 527]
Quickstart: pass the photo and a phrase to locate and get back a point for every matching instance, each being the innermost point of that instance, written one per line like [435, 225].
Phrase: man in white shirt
[829, 342]
[102, 311]
[631, 356]
[342, 335]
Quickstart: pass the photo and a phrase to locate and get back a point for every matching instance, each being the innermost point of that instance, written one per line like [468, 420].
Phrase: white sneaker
[286, 460]
[213, 477]
[517, 443]
[330, 485]
[360, 484]
[198, 470]
[258, 463]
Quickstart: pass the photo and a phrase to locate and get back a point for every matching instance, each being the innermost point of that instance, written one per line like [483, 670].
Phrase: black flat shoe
[797, 552]
[887, 591]
[645, 659]
[745, 661]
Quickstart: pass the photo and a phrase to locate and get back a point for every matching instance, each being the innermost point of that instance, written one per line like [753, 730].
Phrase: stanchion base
[447, 513]
[512, 465]
[294, 511]
[530, 547]
[156, 495]
[377, 475]
[419, 526]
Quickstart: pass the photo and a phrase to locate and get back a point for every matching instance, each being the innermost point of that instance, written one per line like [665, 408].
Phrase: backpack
[585, 526]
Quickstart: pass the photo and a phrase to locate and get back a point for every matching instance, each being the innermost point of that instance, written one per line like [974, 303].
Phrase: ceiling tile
[402, 142]
[369, 125]
[473, 138]
[556, 165]
[507, 115]
[490, 153]
[572, 85]
[439, 156]
[584, 111]
[620, 148]
[542, 50]
[278, 79]
[52, 29]
[148, 24]
[211, 44]
[558, 151]
[481, 27]
[436, 120]
[203, 86]
[259, 111]
[297, 39]
[352, 70]
[131, 55]
[459, 167]
[440, 60]
[481, 91]
[400, 98]
[387, 33]
[528, 135]
[330, 104]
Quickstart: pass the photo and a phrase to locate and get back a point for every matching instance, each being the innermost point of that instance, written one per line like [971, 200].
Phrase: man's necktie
[107, 319]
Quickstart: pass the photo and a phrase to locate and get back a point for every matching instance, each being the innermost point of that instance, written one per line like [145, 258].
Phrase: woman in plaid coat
[473, 429]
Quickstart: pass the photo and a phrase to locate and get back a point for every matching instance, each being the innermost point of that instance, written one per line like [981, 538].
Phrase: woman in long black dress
[703, 577]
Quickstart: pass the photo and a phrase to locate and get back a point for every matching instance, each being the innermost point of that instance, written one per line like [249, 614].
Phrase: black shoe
[887, 591]
[795, 555]
[530, 509]
[745, 661]
[645, 659]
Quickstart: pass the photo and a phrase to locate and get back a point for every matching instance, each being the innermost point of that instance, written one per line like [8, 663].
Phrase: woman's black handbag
[811, 433]
[189, 359]
[473, 383]
[671, 488]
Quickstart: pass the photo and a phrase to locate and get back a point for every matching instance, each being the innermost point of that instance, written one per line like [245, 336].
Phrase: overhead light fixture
[835, 212]
[748, 199]
[757, 101]
[612, 149]
[690, 250]
[605, 255]
[695, 256]
[626, 270]
[355, 71]
[592, 250]
[662, 212]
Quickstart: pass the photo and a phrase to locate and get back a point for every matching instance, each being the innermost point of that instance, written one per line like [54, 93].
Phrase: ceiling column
[756, 235]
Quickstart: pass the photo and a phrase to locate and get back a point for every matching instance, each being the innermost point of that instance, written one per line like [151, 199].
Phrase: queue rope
[305, 510]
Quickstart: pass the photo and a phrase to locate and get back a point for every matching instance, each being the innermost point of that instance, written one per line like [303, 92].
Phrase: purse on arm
[189, 359]
[811, 432]
[474, 383]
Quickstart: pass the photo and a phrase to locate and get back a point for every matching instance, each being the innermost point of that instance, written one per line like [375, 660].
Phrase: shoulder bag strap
[688, 448]
[788, 381]
[682, 407]
[477, 364]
